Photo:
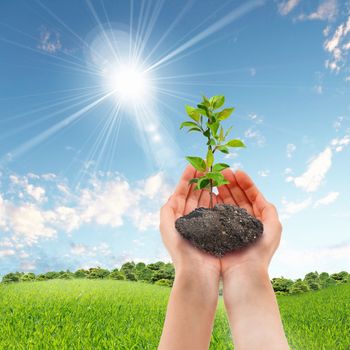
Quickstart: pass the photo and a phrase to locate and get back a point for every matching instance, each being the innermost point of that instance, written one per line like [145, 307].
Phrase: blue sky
[83, 171]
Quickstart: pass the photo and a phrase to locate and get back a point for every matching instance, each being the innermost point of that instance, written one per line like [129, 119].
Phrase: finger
[237, 193]
[192, 197]
[251, 191]
[219, 199]
[183, 188]
[247, 185]
[204, 199]
[225, 195]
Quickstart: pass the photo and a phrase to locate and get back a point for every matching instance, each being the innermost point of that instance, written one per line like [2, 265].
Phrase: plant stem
[211, 190]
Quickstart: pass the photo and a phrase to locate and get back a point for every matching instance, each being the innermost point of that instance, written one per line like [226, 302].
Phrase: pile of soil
[219, 230]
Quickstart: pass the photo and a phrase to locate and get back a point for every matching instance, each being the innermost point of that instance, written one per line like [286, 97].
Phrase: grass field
[90, 314]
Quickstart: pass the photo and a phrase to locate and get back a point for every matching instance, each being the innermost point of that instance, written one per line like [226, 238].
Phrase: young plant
[206, 119]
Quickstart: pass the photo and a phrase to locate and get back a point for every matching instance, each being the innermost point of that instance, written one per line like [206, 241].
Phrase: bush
[299, 287]
[164, 282]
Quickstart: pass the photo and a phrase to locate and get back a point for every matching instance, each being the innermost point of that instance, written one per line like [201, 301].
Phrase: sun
[130, 83]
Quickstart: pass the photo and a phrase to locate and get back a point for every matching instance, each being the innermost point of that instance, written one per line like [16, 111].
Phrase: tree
[116, 275]
[312, 280]
[66, 275]
[156, 266]
[328, 282]
[51, 275]
[281, 285]
[11, 277]
[206, 119]
[341, 277]
[27, 277]
[97, 273]
[298, 287]
[130, 276]
[144, 274]
[81, 273]
[164, 282]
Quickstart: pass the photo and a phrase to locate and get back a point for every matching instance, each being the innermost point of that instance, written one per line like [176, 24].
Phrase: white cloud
[2, 213]
[29, 223]
[28, 266]
[290, 208]
[78, 249]
[108, 203]
[231, 155]
[90, 251]
[328, 199]
[38, 193]
[7, 252]
[287, 6]
[288, 171]
[296, 262]
[49, 42]
[66, 218]
[317, 169]
[107, 200]
[264, 172]
[340, 143]
[255, 135]
[335, 47]
[290, 150]
[327, 10]
[254, 117]
[252, 72]
[338, 123]
[48, 176]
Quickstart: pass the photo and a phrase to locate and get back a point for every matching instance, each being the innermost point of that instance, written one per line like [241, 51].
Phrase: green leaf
[197, 162]
[217, 101]
[201, 111]
[194, 129]
[193, 181]
[215, 176]
[212, 142]
[221, 135]
[210, 158]
[193, 113]
[224, 182]
[228, 131]
[220, 166]
[223, 149]
[235, 143]
[205, 101]
[214, 128]
[188, 124]
[207, 132]
[203, 183]
[204, 108]
[225, 113]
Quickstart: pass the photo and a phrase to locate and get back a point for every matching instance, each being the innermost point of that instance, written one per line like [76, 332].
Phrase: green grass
[89, 314]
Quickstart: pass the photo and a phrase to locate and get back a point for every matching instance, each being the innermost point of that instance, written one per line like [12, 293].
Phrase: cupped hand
[181, 202]
[242, 192]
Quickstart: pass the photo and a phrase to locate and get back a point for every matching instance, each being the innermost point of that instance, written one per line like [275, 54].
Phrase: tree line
[163, 274]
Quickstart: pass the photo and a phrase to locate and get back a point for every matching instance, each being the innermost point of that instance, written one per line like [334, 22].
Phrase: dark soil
[220, 230]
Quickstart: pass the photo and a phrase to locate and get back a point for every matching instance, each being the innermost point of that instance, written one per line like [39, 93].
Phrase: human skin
[248, 295]
[193, 299]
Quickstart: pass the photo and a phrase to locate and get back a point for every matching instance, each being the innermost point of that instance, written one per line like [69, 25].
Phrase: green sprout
[206, 119]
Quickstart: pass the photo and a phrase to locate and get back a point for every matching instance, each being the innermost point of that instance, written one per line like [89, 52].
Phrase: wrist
[246, 270]
[201, 283]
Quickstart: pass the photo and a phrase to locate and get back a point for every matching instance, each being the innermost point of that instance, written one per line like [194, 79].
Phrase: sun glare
[130, 83]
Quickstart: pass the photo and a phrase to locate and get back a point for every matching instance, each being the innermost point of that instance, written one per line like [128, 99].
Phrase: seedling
[206, 119]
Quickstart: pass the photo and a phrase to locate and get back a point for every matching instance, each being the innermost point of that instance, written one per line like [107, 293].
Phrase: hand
[242, 192]
[183, 201]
